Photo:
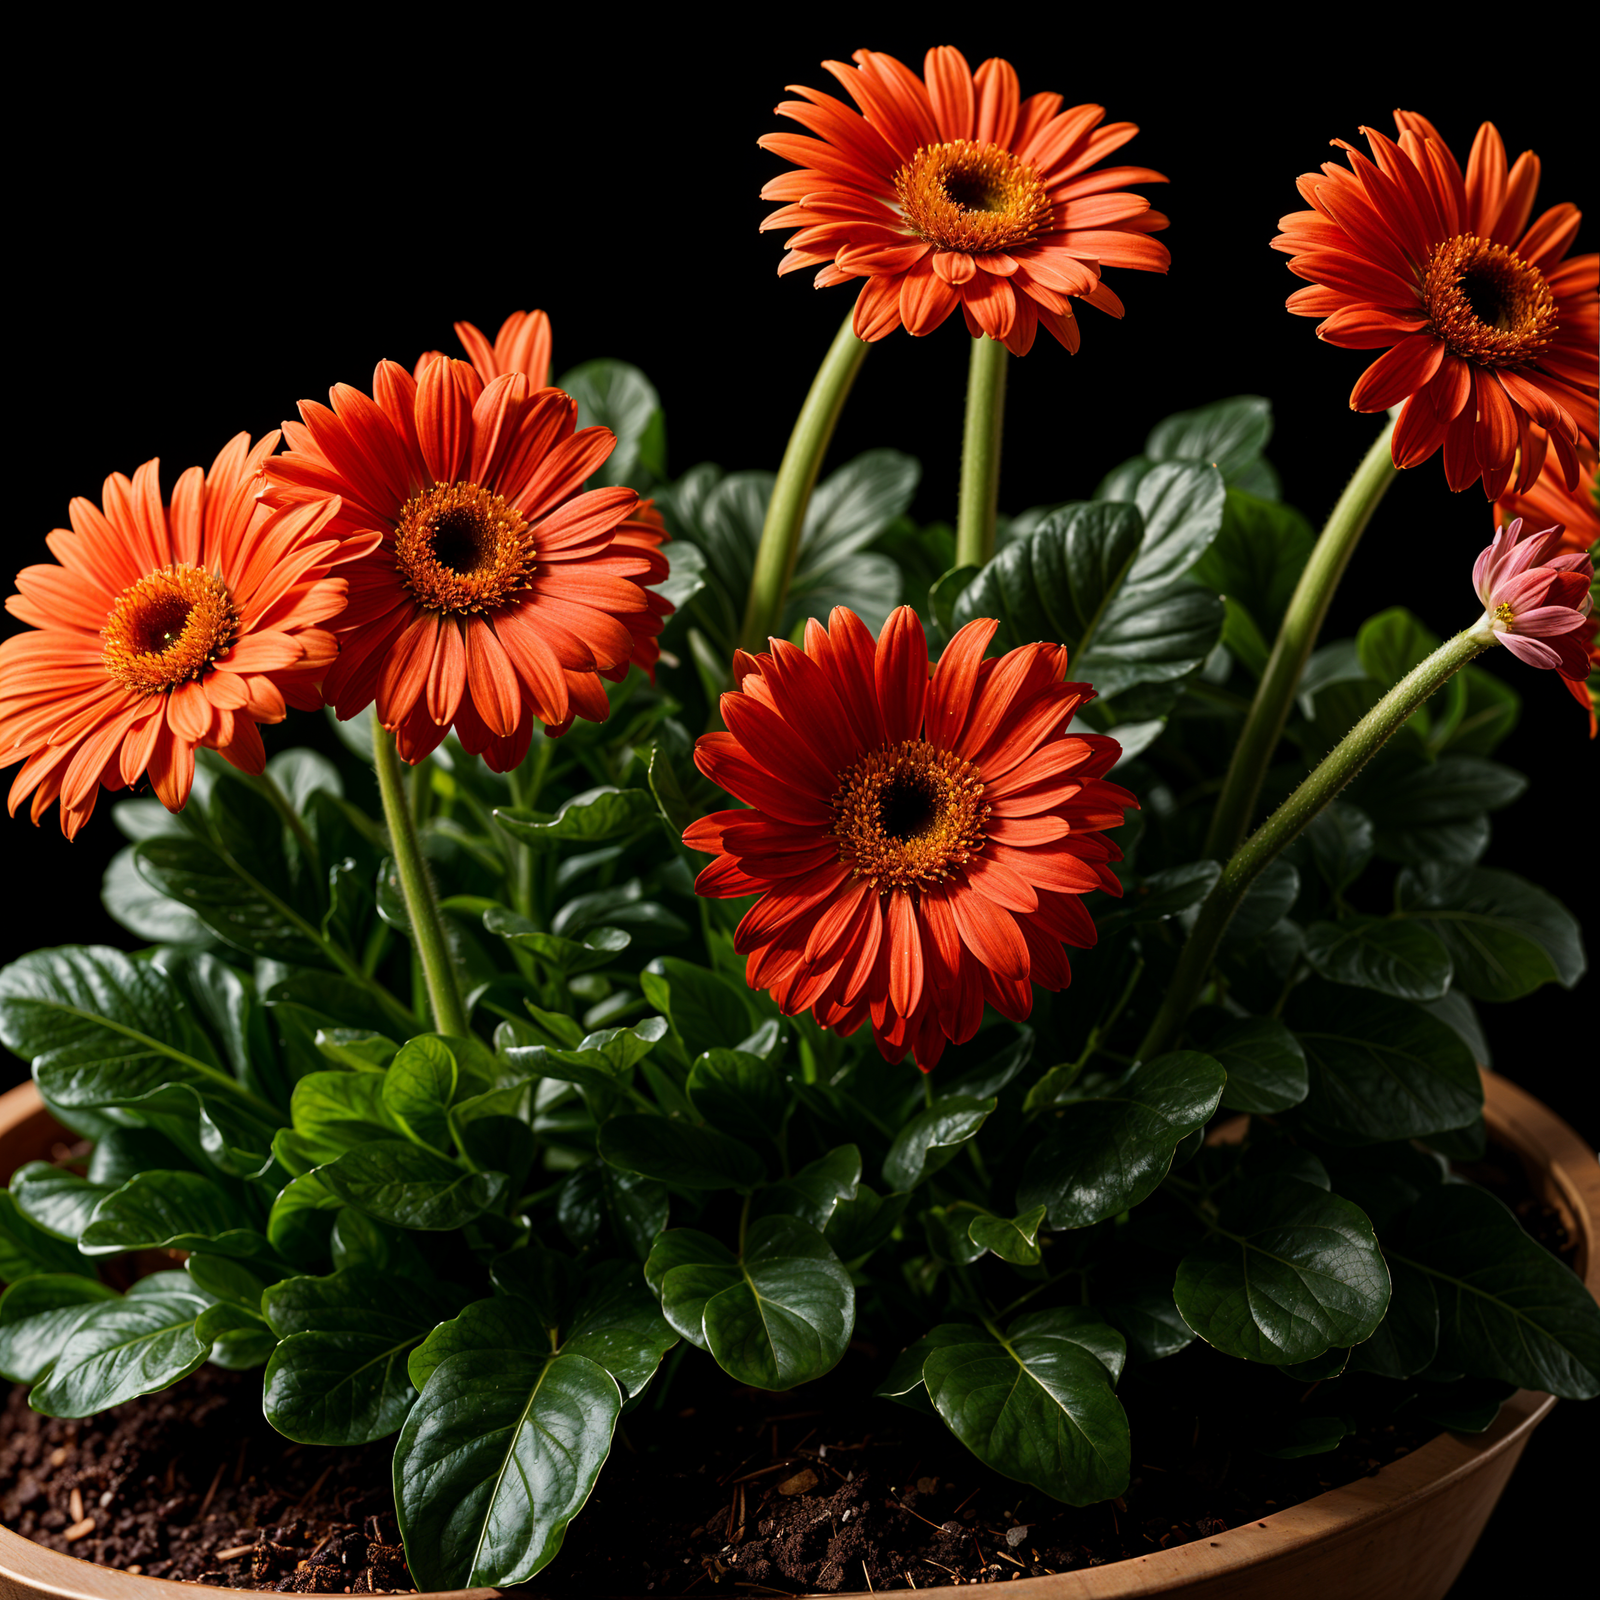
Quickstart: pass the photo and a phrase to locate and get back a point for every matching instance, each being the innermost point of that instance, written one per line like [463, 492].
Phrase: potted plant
[604, 1041]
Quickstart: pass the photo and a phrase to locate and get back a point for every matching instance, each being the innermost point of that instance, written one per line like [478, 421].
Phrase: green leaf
[779, 1315]
[677, 1152]
[356, 1049]
[568, 956]
[418, 1088]
[1040, 1408]
[242, 901]
[1507, 1308]
[1340, 839]
[1229, 434]
[814, 1193]
[706, 1010]
[1013, 1239]
[1289, 1271]
[1266, 902]
[1435, 811]
[498, 1455]
[1505, 936]
[1394, 957]
[932, 1138]
[301, 1220]
[587, 818]
[1407, 1340]
[27, 1249]
[618, 1324]
[145, 911]
[860, 1225]
[1107, 1150]
[171, 1211]
[338, 1375]
[1257, 558]
[334, 1112]
[220, 1278]
[1265, 1064]
[55, 1200]
[598, 1195]
[1380, 1068]
[38, 1315]
[739, 1093]
[409, 1187]
[1491, 712]
[905, 1374]
[137, 1344]
[1164, 894]
[102, 1030]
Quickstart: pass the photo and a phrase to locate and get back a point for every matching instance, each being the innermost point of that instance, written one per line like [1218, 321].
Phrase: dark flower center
[909, 815]
[1486, 303]
[167, 628]
[971, 197]
[459, 548]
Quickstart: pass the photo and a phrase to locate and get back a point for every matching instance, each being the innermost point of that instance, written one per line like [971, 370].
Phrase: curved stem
[980, 452]
[1336, 769]
[791, 491]
[1302, 622]
[427, 928]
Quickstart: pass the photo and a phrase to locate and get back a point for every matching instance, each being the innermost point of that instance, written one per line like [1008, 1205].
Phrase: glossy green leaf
[55, 1199]
[171, 1211]
[1013, 1239]
[739, 1093]
[1257, 557]
[498, 1455]
[224, 1279]
[1265, 1064]
[780, 1314]
[137, 1344]
[861, 1224]
[707, 1012]
[1040, 1408]
[814, 1193]
[617, 1323]
[337, 1111]
[1435, 811]
[677, 1152]
[905, 1375]
[38, 1314]
[356, 1049]
[1407, 1340]
[617, 395]
[26, 1248]
[1289, 1271]
[598, 1195]
[1508, 1309]
[301, 1220]
[1107, 1150]
[409, 1187]
[1380, 1068]
[588, 818]
[145, 911]
[1393, 956]
[1266, 902]
[102, 1030]
[1164, 894]
[418, 1088]
[1505, 936]
[338, 1375]
[1340, 839]
[1228, 434]
[932, 1138]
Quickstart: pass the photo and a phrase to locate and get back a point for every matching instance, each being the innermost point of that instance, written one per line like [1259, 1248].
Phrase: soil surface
[711, 1488]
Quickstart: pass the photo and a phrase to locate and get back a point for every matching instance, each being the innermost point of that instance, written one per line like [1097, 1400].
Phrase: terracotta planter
[1403, 1534]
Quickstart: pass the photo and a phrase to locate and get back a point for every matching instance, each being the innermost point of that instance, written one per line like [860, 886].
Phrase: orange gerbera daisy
[163, 628]
[499, 591]
[955, 191]
[522, 345]
[1550, 501]
[919, 843]
[1490, 333]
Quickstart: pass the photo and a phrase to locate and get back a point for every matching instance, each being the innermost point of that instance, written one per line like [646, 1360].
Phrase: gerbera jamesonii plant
[725, 958]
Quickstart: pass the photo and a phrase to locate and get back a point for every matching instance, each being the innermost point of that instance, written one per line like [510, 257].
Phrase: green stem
[269, 786]
[1302, 622]
[422, 906]
[1337, 768]
[791, 491]
[980, 453]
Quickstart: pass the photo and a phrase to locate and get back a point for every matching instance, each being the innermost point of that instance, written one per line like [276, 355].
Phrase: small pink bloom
[1536, 599]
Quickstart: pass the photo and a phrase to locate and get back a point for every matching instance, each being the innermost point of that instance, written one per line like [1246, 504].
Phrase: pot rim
[1557, 1161]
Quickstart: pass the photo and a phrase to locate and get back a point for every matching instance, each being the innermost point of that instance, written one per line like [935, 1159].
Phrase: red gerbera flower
[499, 591]
[919, 844]
[166, 627]
[955, 191]
[522, 345]
[1576, 510]
[1491, 334]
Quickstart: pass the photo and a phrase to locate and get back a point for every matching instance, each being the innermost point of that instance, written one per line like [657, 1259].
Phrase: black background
[207, 229]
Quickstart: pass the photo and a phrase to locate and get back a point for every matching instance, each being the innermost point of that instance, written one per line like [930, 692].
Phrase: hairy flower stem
[1302, 622]
[1336, 769]
[980, 453]
[791, 491]
[427, 929]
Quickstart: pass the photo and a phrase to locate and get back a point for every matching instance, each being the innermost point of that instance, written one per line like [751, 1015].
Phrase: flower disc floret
[167, 628]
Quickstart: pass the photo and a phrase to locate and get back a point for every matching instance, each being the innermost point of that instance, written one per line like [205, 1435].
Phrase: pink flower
[1536, 600]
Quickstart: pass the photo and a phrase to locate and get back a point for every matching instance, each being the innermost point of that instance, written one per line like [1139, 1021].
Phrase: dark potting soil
[711, 1487]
